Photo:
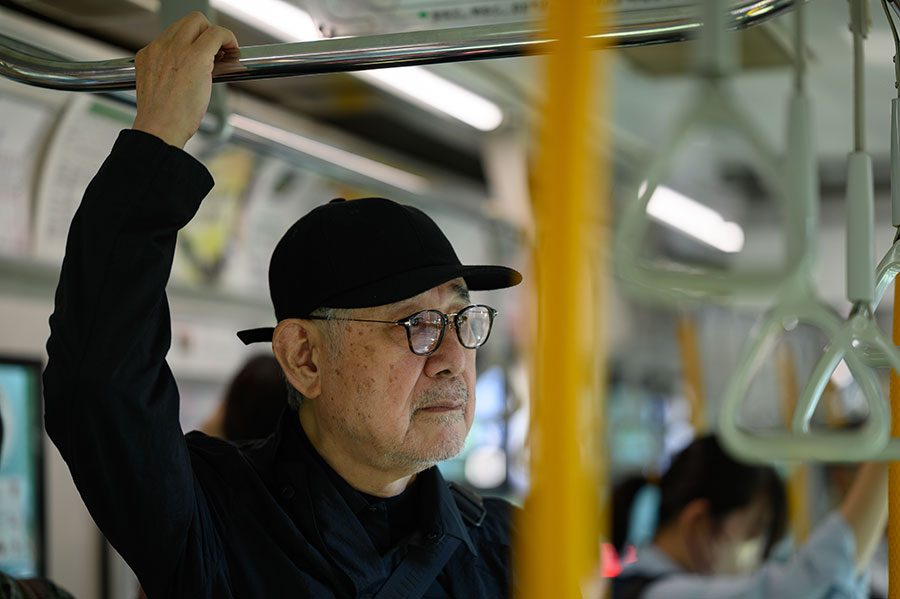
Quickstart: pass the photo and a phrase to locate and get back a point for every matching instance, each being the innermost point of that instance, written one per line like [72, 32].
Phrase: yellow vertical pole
[798, 483]
[894, 470]
[834, 415]
[686, 330]
[557, 546]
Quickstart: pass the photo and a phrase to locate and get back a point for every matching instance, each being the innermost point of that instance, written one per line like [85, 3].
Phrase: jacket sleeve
[111, 404]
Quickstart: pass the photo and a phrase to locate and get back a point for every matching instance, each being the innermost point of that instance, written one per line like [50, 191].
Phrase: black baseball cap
[362, 253]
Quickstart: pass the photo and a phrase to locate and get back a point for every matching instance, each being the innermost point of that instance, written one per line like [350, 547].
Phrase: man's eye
[414, 322]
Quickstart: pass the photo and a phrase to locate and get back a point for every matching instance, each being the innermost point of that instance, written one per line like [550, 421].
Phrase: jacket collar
[336, 499]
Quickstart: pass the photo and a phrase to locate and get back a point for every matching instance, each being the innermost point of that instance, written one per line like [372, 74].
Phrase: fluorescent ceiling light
[693, 218]
[434, 93]
[279, 19]
[354, 162]
[290, 23]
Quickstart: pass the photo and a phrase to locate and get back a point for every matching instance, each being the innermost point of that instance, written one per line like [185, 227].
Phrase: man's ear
[698, 531]
[298, 346]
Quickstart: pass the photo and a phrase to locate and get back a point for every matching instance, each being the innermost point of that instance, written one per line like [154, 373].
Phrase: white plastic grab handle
[874, 348]
[802, 207]
[863, 346]
[887, 271]
[663, 282]
[860, 228]
[867, 442]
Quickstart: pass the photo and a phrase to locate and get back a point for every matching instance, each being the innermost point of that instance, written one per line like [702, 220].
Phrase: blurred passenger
[718, 520]
[253, 403]
[838, 480]
[11, 588]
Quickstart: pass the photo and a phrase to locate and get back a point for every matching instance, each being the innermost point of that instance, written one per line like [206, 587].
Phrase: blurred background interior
[309, 139]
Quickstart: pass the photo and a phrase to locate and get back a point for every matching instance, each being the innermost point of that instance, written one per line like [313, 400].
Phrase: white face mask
[741, 558]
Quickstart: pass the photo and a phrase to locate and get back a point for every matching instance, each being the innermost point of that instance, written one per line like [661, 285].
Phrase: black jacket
[195, 516]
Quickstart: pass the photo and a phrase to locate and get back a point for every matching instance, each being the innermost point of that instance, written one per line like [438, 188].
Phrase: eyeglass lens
[473, 326]
[426, 329]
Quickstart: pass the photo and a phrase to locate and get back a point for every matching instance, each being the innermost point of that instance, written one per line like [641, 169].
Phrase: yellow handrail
[686, 330]
[557, 545]
[798, 482]
[894, 470]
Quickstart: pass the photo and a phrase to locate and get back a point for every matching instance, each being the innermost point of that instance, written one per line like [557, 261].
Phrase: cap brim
[485, 278]
[256, 335]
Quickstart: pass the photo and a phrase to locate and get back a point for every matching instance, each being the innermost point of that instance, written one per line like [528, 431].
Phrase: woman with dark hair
[712, 522]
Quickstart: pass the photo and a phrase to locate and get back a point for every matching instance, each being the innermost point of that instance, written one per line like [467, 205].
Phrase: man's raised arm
[111, 401]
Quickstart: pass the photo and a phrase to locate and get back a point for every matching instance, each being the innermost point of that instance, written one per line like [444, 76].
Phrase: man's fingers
[189, 28]
[186, 28]
[216, 39]
[173, 77]
[170, 31]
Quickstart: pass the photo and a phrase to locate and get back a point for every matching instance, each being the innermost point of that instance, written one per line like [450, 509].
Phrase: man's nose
[449, 359]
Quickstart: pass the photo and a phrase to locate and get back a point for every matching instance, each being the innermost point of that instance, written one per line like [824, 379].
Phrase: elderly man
[376, 337]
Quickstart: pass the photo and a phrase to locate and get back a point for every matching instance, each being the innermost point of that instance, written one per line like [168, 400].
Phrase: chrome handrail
[22, 62]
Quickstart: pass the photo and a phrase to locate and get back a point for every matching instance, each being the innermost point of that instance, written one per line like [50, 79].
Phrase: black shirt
[196, 516]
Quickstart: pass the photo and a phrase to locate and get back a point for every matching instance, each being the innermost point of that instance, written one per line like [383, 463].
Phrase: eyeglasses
[425, 329]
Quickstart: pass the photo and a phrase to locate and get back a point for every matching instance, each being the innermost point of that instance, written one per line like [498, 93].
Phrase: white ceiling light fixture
[437, 94]
[367, 167]
[279, 19]
[290, 23]
[704, 224]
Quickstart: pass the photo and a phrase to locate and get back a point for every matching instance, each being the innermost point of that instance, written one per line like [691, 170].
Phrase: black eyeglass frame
[407, 323]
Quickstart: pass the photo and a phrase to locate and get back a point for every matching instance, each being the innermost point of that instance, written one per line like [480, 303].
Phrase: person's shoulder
[229, 460]
[499, 520]
[214, 448]
[11, 588]
[498, 507]
[8, 587]
[200, 442]
[494, 540]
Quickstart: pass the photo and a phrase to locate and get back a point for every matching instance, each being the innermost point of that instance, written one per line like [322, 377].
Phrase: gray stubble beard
[407, 460]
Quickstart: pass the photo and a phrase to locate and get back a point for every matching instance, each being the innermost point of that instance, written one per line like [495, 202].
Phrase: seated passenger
[718, 520]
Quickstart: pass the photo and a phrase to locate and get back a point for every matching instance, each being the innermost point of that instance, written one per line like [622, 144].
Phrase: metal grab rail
[21, 62]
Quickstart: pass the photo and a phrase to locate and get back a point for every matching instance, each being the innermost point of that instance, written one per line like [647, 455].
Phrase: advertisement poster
[206, 244]
[23, 127]
[20, 470]
[279, 194]
[86, 133]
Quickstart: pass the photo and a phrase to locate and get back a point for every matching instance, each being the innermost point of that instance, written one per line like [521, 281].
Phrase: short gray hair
[333, 342]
